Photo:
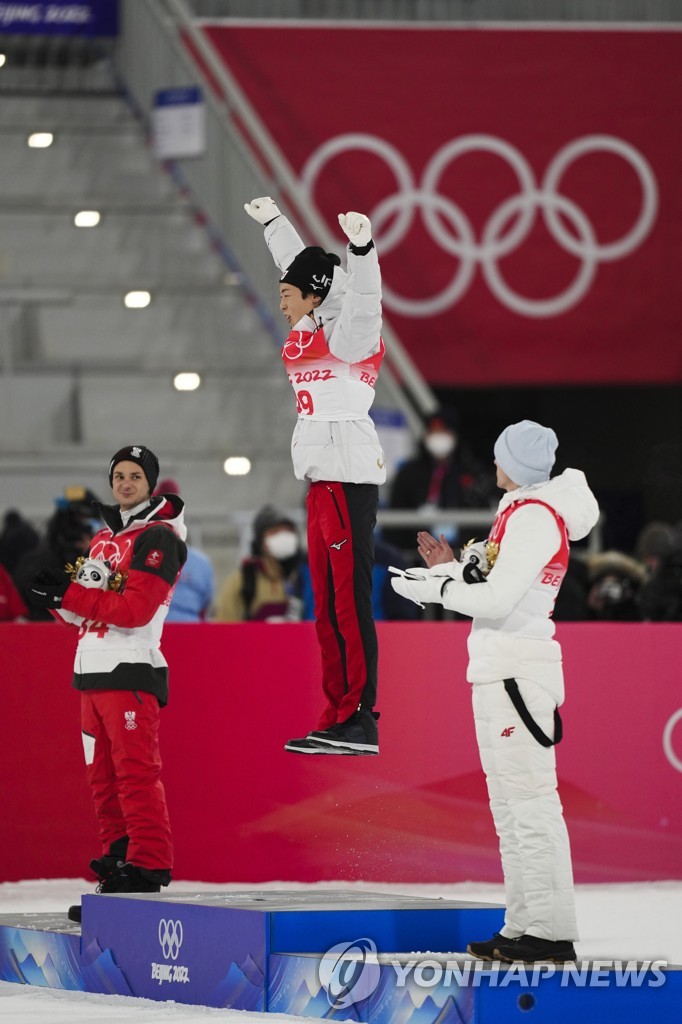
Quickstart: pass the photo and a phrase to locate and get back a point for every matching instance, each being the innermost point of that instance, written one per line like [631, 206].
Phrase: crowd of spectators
[273, 583]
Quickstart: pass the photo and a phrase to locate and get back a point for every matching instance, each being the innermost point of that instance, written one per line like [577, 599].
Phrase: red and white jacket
[120, 631]
[333, 362]
[512, 632]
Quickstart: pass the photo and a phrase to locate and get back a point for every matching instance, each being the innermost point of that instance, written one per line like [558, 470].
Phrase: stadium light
[40, 140]
[237, 465]
[87, 219]
[186, 381]
[137, 300]
[3, 58]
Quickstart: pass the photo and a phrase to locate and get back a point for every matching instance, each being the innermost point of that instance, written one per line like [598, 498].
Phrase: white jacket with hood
[512, 631]
[346, 450]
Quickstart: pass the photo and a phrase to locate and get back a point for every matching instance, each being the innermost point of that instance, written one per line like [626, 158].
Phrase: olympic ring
[508, 225]
[295, 347]
[462, 278]
[583, 279]
[674, 760]
[170, 937]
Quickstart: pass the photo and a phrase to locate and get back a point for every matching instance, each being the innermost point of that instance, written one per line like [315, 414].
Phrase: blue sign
[61, 17]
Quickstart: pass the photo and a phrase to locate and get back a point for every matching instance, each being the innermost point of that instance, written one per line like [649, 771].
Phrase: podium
[344, 955]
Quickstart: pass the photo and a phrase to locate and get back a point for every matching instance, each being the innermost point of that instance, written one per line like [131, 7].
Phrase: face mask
[439, 444]
[281, 545]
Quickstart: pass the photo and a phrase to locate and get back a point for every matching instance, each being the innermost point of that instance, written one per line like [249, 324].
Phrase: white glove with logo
[263, 209]
[94, 574]
[357, 227]
[418, 585]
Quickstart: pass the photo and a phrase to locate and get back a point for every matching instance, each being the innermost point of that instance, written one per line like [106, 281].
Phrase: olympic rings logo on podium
[170, 937]
[508, 225]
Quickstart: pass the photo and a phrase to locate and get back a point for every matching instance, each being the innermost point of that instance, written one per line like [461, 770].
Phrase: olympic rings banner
[523, 185]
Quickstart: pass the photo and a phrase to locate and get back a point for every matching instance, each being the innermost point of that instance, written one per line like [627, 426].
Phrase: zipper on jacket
[137, 697]
[343, 525]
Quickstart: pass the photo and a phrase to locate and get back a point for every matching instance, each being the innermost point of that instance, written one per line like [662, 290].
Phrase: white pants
[527, 811]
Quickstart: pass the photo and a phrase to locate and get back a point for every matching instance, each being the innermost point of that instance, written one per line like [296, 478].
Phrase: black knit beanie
[312, 271]
[146, 460]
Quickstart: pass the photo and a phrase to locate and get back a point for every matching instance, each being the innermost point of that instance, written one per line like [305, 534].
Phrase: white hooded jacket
[512, 631]
[346, 448]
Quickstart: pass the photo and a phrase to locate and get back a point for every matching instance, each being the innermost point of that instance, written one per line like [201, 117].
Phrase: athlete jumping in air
[332, 355]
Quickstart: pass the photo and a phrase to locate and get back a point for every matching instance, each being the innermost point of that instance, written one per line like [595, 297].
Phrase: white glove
[263, 209]
[451, 569]
[357, 227]
[418, 572]
[94, 574]
[417, 585]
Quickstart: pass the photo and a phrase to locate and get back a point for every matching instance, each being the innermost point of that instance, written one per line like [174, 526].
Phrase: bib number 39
[304, 403]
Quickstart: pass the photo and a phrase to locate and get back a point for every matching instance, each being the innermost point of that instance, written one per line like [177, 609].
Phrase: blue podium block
[216, 948]
[40, 949]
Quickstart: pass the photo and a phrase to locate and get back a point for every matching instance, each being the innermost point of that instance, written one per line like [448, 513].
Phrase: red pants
[341, 520]
[123, 765]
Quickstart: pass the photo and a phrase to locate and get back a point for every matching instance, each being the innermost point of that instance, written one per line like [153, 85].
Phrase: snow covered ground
[624, 922]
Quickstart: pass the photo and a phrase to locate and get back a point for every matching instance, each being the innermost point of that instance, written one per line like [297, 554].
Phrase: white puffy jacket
[348, 449]
[512, 632]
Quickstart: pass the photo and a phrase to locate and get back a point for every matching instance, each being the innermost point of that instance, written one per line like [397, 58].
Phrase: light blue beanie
[526, 451]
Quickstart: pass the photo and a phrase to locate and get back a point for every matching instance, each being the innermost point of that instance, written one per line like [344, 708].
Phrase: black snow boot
[530, 949]
[108, 865]
[106, 868]
[132, 878]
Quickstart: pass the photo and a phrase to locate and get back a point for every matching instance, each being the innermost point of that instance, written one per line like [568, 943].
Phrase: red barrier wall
[244, 810]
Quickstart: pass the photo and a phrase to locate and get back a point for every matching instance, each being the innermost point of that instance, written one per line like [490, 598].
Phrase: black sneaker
[529, 949]
[308, 746]
[357, 735]
[486, 950]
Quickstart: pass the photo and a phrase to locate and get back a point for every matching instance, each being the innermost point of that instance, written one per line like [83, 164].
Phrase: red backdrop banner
[244, 810]
[523, 185]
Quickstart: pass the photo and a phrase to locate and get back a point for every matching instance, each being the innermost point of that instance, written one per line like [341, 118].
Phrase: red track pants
[123, 765]
[341, 520]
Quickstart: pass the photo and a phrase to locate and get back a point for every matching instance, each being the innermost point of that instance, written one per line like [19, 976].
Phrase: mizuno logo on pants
[339, 544]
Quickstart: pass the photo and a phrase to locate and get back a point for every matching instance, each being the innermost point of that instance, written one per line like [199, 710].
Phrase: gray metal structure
[446, 10]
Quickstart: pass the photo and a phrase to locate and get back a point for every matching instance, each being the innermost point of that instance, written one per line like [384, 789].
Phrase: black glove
[47, 588]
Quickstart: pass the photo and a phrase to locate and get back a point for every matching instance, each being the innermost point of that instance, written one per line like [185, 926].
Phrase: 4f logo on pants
[339, 544]
[130, 720]
[508, 731]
